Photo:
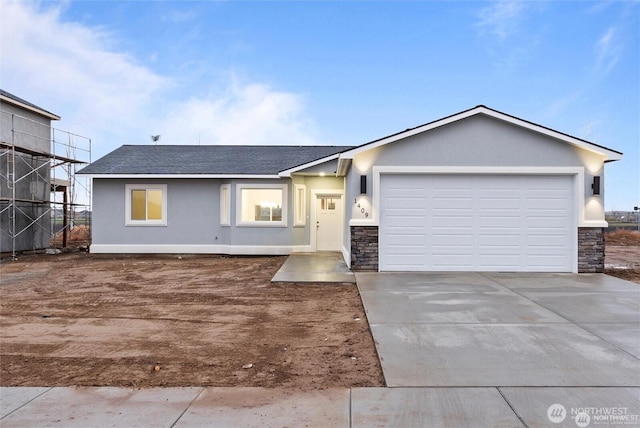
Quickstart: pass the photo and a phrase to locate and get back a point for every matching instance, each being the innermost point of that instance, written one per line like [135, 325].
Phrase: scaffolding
[42, 199]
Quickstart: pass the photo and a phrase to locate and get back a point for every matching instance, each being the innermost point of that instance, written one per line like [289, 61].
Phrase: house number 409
[362, 210]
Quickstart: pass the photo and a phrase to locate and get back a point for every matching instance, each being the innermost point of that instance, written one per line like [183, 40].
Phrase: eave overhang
[31, 108]
[288, 172]
[178, 176]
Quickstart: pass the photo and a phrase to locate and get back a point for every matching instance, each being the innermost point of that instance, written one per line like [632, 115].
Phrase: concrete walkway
[322, 267]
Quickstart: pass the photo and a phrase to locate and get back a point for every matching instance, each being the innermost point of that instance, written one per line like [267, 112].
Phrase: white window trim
[285, 211]
[127, 210]
[300, 205]
[225, 205]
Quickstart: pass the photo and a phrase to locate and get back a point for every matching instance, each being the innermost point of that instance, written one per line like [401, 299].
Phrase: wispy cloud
[244, 114]
[607, 51]
[102, 92]
[501, 18]
[561, 104]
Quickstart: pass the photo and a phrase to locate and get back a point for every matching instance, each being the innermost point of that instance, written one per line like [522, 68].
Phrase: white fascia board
[178, 176]
[610, 155]
[343, 166]
[288, 172]
[30, 108]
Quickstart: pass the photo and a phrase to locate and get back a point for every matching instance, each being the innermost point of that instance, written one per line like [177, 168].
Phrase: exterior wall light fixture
[596, 185]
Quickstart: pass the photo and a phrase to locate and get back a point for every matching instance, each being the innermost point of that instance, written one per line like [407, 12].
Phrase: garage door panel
[452, 203]
[412, 254]
[481, 222]
[512, 204]
[407, 262]
[408, 202]
[552, 223]
[406, 239]
[542, 250]
[548, 203]
[408, 221]
[450, 239]
[492, 241]
[452, 221]
[499, 261]
[444, 263]
[499, 222]
[545, 239]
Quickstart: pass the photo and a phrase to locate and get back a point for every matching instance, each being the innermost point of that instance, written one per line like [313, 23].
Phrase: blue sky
[340, 73]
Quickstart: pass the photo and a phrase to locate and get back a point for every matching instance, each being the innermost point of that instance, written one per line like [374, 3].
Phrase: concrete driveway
[525, 341]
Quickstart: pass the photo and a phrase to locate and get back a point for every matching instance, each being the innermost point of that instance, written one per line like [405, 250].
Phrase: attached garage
[477, 222]
[479, 190]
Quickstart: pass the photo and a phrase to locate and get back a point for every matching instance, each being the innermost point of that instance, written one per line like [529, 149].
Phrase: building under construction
[39, 193]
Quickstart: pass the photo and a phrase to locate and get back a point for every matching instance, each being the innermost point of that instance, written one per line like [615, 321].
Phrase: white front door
[328, 222]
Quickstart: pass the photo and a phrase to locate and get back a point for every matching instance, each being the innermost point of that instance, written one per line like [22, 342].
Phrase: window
[225, 205]
[146, 205]
[300, 195]
[261, 205]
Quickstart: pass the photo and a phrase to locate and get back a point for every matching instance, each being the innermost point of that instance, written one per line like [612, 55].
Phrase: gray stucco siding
[193, 214]
[35, 130]
[478, 141]
[482, 141]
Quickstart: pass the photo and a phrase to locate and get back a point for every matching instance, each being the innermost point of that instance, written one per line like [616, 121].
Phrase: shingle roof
[224, 160]
[29, 105]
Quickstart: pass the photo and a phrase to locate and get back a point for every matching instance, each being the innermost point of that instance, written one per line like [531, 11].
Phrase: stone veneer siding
[364, 248]
[590, 249]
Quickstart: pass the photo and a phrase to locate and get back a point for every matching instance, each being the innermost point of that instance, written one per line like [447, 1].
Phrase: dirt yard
[622, 255]
[78, 319]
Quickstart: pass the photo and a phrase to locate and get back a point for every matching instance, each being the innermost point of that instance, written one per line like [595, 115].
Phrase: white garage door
[476, 223]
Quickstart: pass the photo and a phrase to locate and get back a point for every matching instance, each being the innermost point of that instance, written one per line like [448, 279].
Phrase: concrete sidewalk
[260, 407]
